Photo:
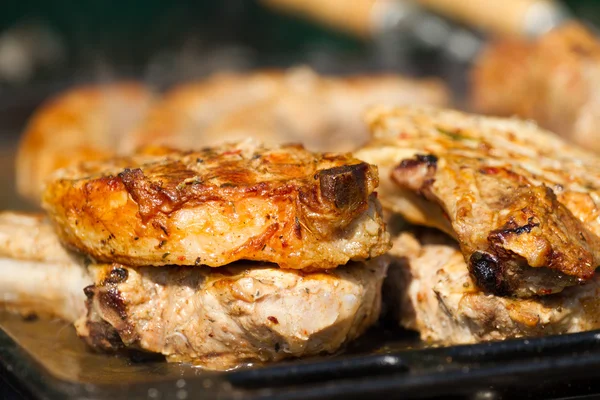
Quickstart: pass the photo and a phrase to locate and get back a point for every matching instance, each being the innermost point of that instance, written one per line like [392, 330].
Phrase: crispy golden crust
[82, 124]
[554, 80]
[214, 206]
[297, 105]
[515, 196]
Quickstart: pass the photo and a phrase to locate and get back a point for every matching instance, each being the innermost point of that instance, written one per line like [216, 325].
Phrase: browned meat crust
[223, 318]
[554, 80]
[278, 204]
[516, 196]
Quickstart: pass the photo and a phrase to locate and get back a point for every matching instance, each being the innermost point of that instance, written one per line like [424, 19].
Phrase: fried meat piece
[83, 124]
[522, 203]
[278, 204]
[554, 80]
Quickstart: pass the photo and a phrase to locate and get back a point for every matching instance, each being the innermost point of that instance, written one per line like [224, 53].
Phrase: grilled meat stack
[233, 254]
[519, 208]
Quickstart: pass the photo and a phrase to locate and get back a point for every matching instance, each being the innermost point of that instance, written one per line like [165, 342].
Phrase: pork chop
[82, 124]
[296, 105]
[434, 294]
[279, 204]
[37, 275]
[522, 203]
[554, 80]
[222, 318]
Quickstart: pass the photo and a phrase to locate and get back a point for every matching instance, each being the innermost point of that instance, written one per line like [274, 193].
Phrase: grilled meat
[522, 203]
[554, 80]
[37, 275]
[430, 283]
[80, 125]
[212, 207]
[298, 105]
[221, 318]
[98, 122]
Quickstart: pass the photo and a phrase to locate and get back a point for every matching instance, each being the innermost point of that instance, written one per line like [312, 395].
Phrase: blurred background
[47, 46]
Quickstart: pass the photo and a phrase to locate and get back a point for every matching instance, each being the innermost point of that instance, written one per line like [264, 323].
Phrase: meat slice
[279, 204]
[82, 124]
[434, 294]
[521, 202]
[222, 318]
[554, 80]
[37, 275]
[278, 106]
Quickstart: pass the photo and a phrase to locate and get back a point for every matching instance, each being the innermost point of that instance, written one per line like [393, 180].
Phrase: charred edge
[89, 291]
[129, 176]
[117, 275]
[420, 159]
[416, 173]
[520, 229]
[488, 273]
[297, 228]
[345, 186]
[111, 298]
[511, 227]
[103, 336]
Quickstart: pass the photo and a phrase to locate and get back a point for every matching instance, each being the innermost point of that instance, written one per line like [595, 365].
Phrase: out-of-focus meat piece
[86, 123]
[37, 275]
[222, 318]
[279, 204]
[323, 113]
[434, 294]
[523, 204]
[554, 80]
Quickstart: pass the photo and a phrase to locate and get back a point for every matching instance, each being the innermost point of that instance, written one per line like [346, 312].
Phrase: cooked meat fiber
[278, 204]
[37, 275]
[522, 203]
[296, 105]
[554, 80]
[86, 123]
[431, 286]
[221, 318]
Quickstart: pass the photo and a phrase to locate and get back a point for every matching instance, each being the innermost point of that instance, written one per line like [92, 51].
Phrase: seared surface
[83, 124]
[37, 275]
[513, 195]
[554, 80]
[212, 207]
[430, 284]
[222, 318]
[296, 105]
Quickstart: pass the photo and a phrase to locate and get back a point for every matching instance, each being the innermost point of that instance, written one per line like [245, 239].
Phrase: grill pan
[44, 360]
